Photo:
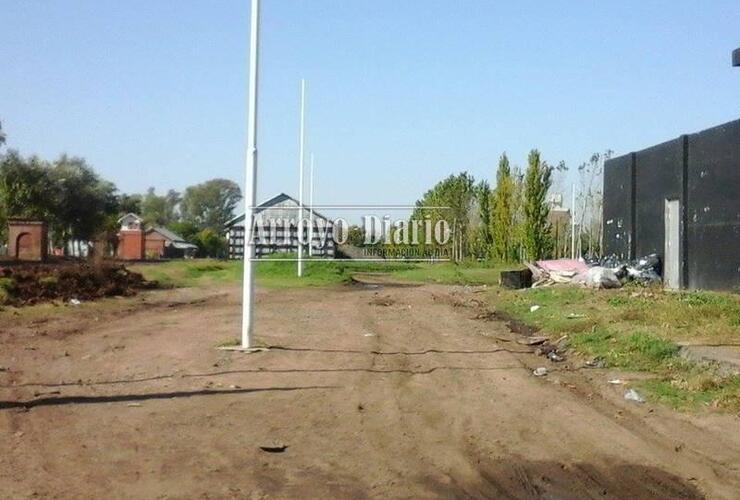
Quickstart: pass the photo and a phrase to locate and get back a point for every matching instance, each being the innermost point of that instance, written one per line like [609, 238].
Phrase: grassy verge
[190, 273]
[451, 274]
[270, 274]
[282, 274]
[638, 329]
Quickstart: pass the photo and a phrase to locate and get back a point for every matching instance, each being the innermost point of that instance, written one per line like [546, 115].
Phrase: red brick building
[131, 238]
[27, 239]
[135, 242]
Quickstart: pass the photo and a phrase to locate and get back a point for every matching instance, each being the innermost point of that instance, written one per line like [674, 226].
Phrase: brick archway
[24, 247]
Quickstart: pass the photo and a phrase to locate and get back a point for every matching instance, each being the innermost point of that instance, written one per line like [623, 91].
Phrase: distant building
[277, 227]
[161, 243]
[136, 242]
[559, 218]
[27, 239]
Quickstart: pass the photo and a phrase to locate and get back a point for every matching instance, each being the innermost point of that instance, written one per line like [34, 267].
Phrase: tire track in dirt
[397, 424]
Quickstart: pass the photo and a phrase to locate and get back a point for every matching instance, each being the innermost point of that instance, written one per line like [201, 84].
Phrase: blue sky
[400, 93]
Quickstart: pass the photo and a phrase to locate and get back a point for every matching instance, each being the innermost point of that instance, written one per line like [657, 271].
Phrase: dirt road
[377, 392]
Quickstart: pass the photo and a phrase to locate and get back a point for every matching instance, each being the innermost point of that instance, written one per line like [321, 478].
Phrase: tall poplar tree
[502, 217]
[537, 180]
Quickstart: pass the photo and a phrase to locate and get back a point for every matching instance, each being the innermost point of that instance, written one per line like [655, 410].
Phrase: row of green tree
[79, 205]
[511, 222]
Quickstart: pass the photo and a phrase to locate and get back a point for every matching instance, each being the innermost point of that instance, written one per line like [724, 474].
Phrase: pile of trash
[70, 282]
[606, 272]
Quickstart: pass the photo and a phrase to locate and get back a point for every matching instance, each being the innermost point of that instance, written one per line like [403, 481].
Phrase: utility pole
[250, 184]
[573, 222]
[301, 155]
[736, 58]
[310, 207]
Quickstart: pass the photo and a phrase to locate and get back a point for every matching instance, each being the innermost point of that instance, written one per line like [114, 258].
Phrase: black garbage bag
[646, 269]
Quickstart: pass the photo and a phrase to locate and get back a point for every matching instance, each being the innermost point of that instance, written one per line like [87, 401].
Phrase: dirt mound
[33, 283]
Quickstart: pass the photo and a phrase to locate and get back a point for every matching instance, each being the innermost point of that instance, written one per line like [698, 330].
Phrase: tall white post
[573, 222]
[300, 176]
[310, 207]
[250, 184]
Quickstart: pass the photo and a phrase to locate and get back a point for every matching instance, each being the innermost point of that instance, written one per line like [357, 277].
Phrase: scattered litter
[74, 302]
[601, 277]
[555, 357]
[369, 335]
[532, 340]
[644, 270]
[4, 369]
[633, 395]
[607, 272]
[563, 265]
[575, 316]
[595, 363]
[233, 386]
[274, 448]
[134, 405]
[540, 372]
[616, 381]
[533, 308]
[562, 342]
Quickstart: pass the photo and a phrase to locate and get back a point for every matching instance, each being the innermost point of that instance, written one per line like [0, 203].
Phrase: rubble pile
[606, 272]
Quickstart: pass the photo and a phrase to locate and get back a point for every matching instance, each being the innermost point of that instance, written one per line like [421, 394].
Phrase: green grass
[639, 351]
[637, 329]
[449, 273]
[700, 391]
[282, 273]
[271, 274]
[190, 273]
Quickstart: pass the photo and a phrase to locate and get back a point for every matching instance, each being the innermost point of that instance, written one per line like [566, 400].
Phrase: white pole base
[247, 350]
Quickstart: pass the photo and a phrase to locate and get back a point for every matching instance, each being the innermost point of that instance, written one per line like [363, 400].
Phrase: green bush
[7, 286]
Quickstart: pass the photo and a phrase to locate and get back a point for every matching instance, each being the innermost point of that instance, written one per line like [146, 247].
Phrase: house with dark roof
[161, 243]
[137, 242]
[277, 223]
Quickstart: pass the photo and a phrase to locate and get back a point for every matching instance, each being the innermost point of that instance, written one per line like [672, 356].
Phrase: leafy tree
[211, 204]
[502, 220]
[537, 240]
[68, 194]
[481, 224]
[356, 236]
[186, 229]
[26, 189]
[457, 194]
[129, 204]
[82, 200]
[2, 135]
[160, 210]
[211, 243]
